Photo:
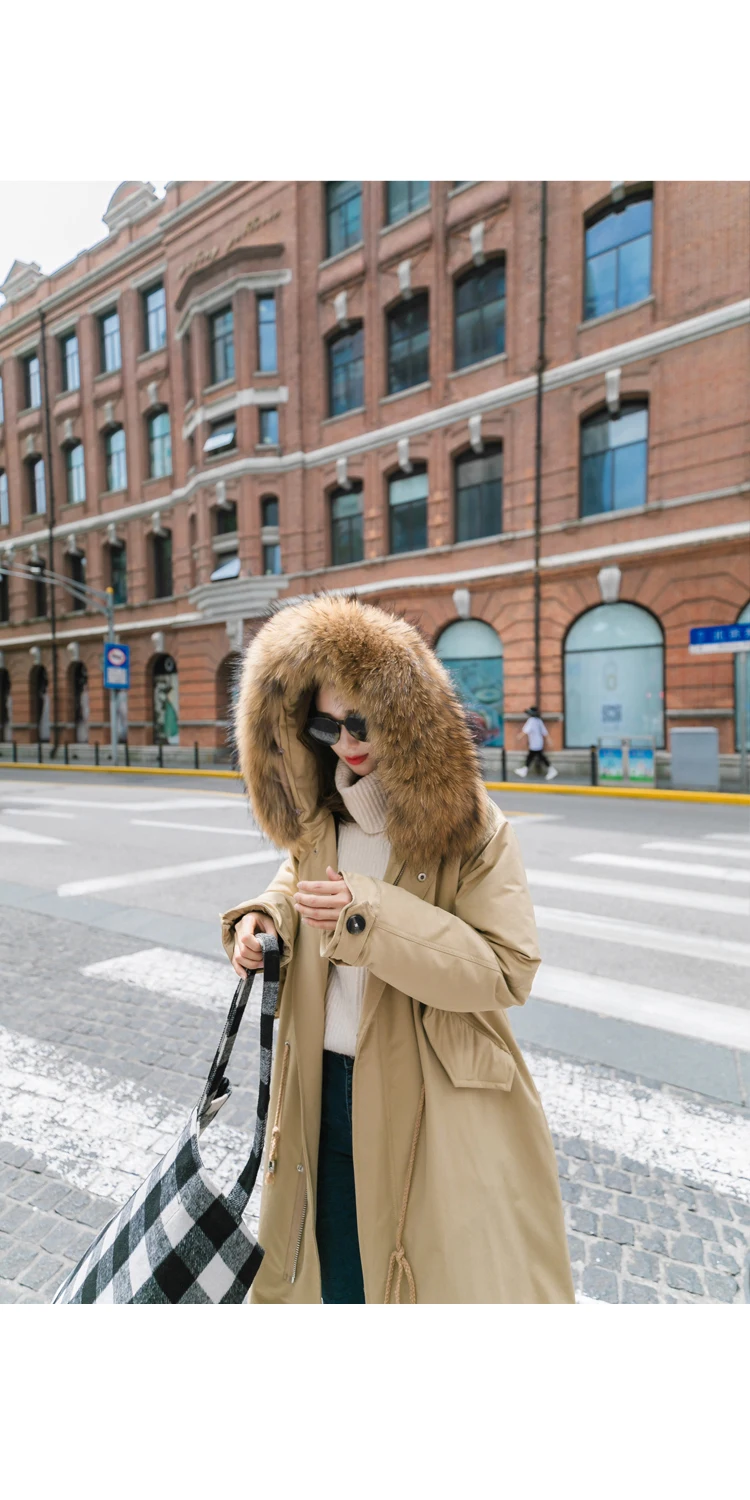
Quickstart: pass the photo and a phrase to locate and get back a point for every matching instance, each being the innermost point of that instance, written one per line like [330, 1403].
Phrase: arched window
[76, 474]
[480, 314]
[614, 675]
[346, 366]
[39, 701]
[347, 525]
[116, 462]
[166, 701]
[6, 706]
[742, 664]
[614, 459]
[479, 494]
[407, 505]
[408, 330]
[343, 216]
[159, 446]
[472, 652]
[79, 692]
[618, 256]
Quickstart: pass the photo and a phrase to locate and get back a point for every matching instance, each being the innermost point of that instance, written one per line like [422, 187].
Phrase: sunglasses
[325, 728]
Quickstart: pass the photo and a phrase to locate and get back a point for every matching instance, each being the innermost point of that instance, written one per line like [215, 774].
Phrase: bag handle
[217, 1085]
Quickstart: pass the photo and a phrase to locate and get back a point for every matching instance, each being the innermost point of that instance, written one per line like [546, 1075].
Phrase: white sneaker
[551, 774]
[521, 771]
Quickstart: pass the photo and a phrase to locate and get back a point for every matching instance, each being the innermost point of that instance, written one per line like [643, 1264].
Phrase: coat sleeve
[483, 956]
[277, 902]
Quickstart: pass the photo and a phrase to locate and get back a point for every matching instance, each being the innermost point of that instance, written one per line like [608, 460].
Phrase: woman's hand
[248, 953]
[320, 902]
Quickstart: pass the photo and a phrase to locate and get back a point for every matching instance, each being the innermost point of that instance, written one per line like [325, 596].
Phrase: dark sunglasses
[325, 728]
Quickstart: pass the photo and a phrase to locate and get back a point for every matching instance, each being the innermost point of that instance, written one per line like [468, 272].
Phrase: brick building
[252, 391]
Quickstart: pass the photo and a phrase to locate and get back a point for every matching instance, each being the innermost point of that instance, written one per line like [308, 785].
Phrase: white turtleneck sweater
[364, 849]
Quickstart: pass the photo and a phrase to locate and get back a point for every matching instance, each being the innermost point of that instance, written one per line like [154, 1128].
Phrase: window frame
[4, 498]
[264, 414]
[32, 379]
[112, 432]
[397, 476]
[337, 339]
[67, 359]
[264, 369]
[104, 340]
[332, 209]
[404, 307]
[120, 550]
[71, 470]
[222, 341]
[467, 277]
[412, 208]
[611, 209]
[158, 442]
[162, 561]
[157, 286]
[631, 404]
[467, 456]
[339, 493]
[33, 466]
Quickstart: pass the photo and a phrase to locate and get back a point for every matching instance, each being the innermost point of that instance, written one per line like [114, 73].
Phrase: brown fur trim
[427, 761]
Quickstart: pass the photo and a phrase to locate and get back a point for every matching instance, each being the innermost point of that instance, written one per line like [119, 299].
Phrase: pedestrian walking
[409, 1157]
[536, 733]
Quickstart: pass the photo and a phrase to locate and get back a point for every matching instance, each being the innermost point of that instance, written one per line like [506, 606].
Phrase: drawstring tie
[398, 1256]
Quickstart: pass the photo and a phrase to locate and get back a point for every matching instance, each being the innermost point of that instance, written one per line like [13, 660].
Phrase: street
[637, 1032]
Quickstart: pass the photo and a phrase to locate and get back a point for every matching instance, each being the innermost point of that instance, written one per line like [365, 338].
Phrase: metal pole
[744, 665]
[113, 691]
[49, 480]
[538, 451]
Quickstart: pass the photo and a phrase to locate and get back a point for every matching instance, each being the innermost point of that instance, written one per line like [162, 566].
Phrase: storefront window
[614, 676]
[472, 653]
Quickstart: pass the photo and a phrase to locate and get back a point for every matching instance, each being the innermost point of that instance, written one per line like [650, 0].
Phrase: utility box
[695, 759]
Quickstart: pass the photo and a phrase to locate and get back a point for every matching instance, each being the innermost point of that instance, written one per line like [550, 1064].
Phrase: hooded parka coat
[457, 1191]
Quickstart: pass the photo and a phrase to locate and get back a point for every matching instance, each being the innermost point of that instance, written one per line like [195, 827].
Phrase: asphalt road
[637, 1031]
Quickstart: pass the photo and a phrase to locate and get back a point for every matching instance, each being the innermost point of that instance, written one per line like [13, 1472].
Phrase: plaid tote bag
[179, 1238]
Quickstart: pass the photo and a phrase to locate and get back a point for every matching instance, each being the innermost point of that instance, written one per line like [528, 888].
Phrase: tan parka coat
[457, 1191]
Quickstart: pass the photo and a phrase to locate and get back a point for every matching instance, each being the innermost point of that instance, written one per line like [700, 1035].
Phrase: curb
[50, 765]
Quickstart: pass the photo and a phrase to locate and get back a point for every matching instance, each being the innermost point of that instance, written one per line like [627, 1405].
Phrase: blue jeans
[336, 1222]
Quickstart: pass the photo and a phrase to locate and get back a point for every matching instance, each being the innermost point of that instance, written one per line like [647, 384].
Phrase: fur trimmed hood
[427, 762]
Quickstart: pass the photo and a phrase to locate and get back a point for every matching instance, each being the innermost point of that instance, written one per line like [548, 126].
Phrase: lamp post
[102, 600]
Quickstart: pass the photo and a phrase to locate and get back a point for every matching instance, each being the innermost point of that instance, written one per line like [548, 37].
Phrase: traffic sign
[116, 666]
[711, 638]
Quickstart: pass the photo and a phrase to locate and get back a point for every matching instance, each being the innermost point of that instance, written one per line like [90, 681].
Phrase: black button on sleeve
[356, 923]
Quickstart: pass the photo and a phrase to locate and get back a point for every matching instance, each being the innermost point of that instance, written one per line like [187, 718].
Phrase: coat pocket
[472, 1058]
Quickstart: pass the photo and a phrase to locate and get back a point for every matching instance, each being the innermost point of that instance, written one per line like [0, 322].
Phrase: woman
[405, 936]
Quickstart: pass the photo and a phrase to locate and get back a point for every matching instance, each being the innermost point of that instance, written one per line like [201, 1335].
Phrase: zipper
[273, 1150]
[298, 1223]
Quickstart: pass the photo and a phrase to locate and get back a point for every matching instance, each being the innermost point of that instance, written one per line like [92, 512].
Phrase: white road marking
[167, 872]
[682, 1015]
[681, 846]
[102, 1134]
[527, 818]
[640, 935]
[11, 835]
[655, 1127]
[168, 972]
[34, 812]
[662, 866]
[730, 838]
[627, 890]
[246, 833]
[207, 801]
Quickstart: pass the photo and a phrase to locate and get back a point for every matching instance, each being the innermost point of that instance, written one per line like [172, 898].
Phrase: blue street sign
[117, 667]
[711, 638]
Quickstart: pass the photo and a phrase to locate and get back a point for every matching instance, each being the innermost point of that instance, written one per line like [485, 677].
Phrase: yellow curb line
[737, 799]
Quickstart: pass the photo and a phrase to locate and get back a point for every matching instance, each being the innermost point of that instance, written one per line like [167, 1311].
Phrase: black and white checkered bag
[179, 1238]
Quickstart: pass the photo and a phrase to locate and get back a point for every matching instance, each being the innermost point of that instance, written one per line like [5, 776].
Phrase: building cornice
[251, 281]
[276, 395]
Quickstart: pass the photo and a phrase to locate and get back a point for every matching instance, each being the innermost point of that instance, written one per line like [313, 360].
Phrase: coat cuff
[347, 946]
[230, 919]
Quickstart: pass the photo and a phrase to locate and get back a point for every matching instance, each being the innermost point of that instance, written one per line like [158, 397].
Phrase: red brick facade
[685, 349]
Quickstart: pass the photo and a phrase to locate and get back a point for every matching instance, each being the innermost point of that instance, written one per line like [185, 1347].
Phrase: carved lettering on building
[204, 257]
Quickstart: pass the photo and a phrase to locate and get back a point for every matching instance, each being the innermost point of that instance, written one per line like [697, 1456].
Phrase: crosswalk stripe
[640, 935]
[627, 890]
[11, 835]
[729, 838]
[166, 971]
[168, 872]
[35, 812]
[246, 833]
[663, 1010]
[182, 804]
[663, 866]
[681, 846]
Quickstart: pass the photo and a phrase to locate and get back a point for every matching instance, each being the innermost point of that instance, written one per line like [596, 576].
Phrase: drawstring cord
[398, 1256]
[273, 1149]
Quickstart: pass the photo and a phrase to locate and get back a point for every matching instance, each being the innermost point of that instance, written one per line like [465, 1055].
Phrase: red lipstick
[355, 760]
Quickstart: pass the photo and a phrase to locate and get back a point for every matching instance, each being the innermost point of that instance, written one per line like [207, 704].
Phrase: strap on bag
[217, 1085]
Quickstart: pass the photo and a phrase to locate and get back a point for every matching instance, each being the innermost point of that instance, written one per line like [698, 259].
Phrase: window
[229, 567]
[614, 675]
[109, 327]
[347, 526]
[479, 494]
[408, 512]
[742, 664]
[480, 315]
[267, 357]
[272, 557]
[472, 652]
[163, 566]
[117, 469]
[346, 372]
[38, 488]
[187, 365]
[71, 371]
[614, 457]
[269, 425]
[76, 474]
[222, 345]
[155, 310]
[618, 257]
[4, 610]
[222, 436]
[269, 511]
[76, 574]
[2, 402]
[4, 508]
[32, 381]
[159, 446]
[404, 198]
[39, 590]
[343, 215]
[225, 518]
[118, 572]
[408, 344]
